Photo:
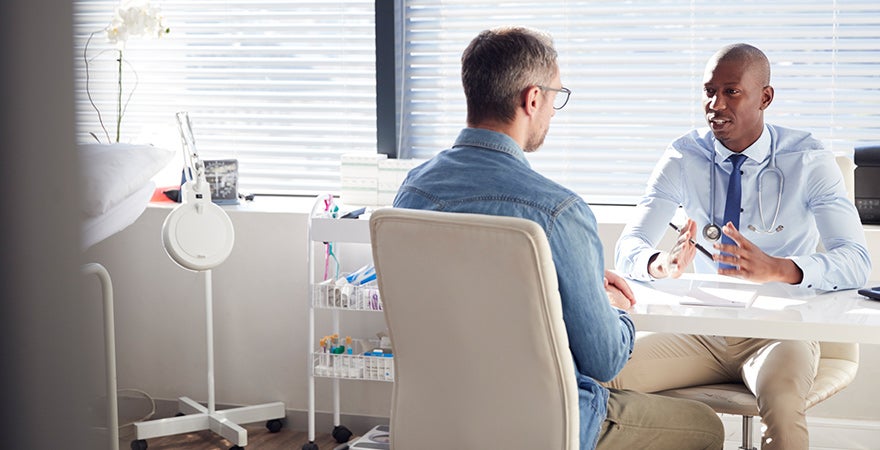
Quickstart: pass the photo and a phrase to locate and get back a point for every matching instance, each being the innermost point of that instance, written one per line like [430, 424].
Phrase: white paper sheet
[727, 292]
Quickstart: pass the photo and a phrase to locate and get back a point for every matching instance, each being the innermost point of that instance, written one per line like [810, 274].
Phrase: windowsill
[606, 214]
[260, 204]
[270, 204]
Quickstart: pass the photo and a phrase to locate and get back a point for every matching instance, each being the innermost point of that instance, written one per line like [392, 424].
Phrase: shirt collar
[490, 140]
[758, 151]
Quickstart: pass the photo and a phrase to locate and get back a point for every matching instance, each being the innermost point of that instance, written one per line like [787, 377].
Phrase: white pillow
[112, 172]
[117, 218]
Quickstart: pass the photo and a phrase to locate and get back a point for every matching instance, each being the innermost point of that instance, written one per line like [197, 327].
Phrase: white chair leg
[747, 434]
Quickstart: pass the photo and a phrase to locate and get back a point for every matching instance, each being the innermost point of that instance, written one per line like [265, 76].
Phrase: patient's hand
[618, 300]
[619, 292]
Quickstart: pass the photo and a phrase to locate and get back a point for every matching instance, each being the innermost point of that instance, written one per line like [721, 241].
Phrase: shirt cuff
[812, 277]
[640, 266]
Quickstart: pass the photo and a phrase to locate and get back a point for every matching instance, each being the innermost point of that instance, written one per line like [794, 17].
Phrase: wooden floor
[259, 438]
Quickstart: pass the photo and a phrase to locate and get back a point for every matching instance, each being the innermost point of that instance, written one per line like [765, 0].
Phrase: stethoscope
[712, 231]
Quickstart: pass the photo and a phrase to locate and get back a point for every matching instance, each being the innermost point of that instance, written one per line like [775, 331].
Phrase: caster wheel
[310, 446]
[274, 425]
[341, 434]
[138, 444]
[236, 447]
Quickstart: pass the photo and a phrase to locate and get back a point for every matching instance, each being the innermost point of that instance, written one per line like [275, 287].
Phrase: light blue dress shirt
[813, 206]
[486, 172]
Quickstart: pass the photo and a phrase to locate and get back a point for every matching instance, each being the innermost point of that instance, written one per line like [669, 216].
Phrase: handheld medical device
[712, 231]
[871, 292]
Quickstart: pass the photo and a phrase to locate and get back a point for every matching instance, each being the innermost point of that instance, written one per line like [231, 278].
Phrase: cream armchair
[481, 356]
[838, 365]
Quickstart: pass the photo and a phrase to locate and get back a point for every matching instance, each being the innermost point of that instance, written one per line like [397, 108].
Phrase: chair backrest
[838, 365]
[481, 356]
[839, 361]
[847, 169]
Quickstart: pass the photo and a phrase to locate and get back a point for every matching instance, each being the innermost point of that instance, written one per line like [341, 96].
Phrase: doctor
[769, 215]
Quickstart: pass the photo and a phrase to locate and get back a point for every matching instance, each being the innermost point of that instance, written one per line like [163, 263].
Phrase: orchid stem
[119, 99]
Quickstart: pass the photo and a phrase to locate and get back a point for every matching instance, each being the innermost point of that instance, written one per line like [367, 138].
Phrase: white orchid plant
[132, 18]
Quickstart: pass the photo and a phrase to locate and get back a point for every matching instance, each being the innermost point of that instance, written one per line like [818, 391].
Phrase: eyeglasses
[561, 100]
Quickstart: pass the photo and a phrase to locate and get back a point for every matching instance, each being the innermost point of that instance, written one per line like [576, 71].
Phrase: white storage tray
[350, 297]
[354, 367]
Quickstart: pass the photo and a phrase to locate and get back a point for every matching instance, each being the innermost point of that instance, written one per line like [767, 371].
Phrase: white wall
[260, 313]
[261, 319]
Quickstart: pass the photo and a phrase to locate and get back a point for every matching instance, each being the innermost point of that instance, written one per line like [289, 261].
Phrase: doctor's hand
[619, 292]
[751, 263]
[673, 262]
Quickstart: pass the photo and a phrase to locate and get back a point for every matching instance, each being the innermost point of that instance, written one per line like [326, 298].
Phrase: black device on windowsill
[872, 293]
[867, 182]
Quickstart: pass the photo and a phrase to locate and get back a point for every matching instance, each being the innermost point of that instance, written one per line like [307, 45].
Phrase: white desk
[777, 310]
[771, 310]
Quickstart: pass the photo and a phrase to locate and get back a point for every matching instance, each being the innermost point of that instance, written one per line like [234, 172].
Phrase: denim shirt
[486, 172]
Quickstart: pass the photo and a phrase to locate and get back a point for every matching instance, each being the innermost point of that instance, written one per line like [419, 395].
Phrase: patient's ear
[530, 100]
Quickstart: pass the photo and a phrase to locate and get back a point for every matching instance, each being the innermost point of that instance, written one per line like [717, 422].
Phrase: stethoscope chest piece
[712, 232]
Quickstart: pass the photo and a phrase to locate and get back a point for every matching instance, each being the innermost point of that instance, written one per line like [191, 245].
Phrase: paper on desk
[729, 293]
[732, 298]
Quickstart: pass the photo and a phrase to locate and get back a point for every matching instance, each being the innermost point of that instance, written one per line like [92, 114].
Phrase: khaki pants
[652, 422]
[779, 373]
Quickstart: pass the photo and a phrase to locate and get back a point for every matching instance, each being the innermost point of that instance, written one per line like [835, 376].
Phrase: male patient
[770, 194]
[513, 88]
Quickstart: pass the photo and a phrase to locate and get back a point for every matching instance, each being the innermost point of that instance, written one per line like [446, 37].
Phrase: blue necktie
[733, 204]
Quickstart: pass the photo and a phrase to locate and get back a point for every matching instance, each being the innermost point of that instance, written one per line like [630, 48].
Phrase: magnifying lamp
[197, 234]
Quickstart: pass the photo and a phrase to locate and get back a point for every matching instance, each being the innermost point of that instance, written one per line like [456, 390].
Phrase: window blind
[635, 69]
[285, 87]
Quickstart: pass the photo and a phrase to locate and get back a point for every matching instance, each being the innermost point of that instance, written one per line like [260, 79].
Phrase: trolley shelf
[349, 297]
[353, 367]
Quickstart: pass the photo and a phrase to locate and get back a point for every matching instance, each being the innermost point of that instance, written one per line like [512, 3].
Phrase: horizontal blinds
[288, 86]
[635, 69]
[285, 87]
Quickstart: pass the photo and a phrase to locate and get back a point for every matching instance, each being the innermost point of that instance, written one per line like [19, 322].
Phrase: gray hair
[498, 65]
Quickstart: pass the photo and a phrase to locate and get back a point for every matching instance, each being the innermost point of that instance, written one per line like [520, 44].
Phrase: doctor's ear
[766, 97]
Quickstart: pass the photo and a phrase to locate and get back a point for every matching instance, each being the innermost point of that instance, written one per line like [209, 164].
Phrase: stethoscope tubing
[712, 231]
[771, 168]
